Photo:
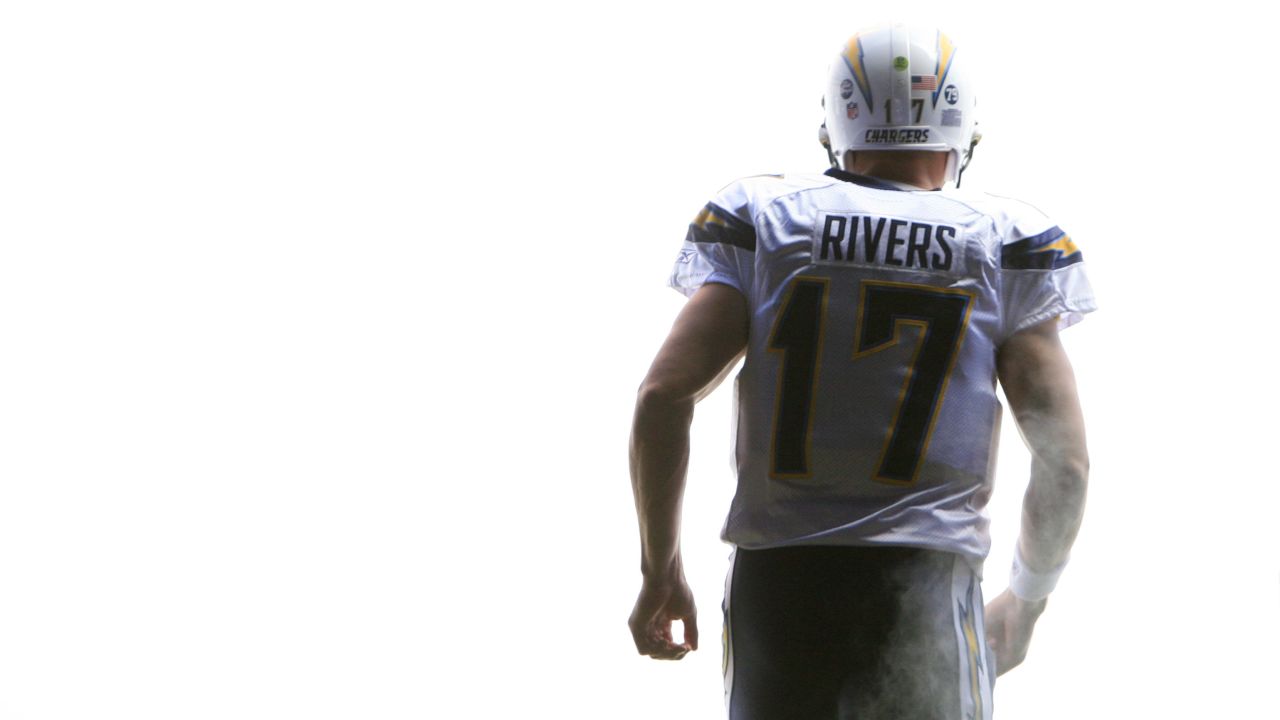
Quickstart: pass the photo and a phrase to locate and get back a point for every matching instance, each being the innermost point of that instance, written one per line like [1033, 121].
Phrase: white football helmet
[900, 88]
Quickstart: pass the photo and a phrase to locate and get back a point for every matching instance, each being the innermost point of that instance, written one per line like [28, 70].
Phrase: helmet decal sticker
[853, 58]
[946, 54]
[896, 136]
[924, 82]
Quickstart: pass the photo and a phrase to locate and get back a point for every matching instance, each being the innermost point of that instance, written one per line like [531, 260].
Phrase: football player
[876, 311]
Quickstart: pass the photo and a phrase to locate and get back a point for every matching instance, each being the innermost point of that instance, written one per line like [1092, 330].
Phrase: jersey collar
[868, 181]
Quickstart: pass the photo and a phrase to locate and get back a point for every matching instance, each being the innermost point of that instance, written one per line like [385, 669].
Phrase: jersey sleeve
[719, 246]
[1042, 276]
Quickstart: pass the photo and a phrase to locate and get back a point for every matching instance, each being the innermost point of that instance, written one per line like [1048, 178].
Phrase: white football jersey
[866, 407]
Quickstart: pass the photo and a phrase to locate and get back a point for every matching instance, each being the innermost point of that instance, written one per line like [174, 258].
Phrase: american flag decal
[924, 82]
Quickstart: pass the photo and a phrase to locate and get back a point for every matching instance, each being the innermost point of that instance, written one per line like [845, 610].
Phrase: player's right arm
[704, 343]
[1039, 384]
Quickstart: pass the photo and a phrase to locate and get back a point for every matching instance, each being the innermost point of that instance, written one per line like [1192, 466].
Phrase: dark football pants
[854, 633]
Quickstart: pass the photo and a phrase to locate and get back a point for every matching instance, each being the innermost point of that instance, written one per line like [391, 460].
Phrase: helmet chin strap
[825, 139]
[968, 156]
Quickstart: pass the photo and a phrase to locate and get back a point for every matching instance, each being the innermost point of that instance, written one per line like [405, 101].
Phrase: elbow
[1062, 451]
[1067, 474]
[1077, 468]
[1072, 467]
[661, 399]
[1076, 475]
[662, 418]
[1064, 459]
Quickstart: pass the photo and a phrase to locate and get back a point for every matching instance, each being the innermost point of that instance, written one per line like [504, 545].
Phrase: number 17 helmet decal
[900, 88]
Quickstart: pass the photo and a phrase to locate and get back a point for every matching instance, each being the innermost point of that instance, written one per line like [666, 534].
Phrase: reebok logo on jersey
[896, 136]
[842, 239]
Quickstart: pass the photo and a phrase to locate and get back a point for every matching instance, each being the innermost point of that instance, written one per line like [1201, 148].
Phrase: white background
[320, 326]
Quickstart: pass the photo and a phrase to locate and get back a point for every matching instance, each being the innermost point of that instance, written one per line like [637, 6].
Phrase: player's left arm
[1039, 383]
[707, 338]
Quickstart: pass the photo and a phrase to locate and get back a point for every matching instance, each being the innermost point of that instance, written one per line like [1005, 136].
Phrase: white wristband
[1028, 584]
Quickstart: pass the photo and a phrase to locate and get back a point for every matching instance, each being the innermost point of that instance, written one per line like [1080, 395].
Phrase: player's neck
[925, 170]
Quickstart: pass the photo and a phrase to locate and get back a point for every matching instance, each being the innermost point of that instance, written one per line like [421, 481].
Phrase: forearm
[1052, 511]
[1041, 388]
[659, 461]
